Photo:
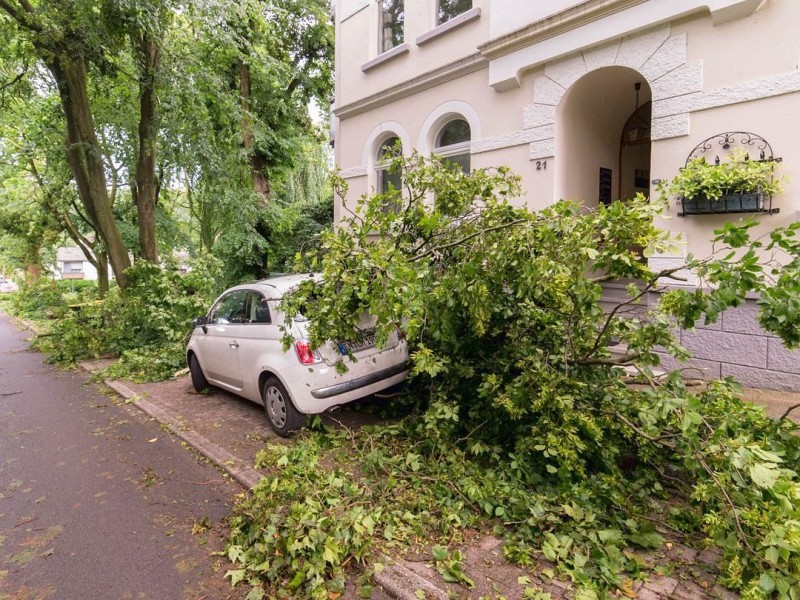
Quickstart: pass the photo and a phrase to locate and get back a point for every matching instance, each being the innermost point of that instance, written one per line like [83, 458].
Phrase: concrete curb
[399, 582]
[236, 468]
[27, 324]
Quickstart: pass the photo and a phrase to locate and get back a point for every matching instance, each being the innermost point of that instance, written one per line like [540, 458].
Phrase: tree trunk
[85, 156]
[33, 259]
[102, 274]
[258, 162]
[147, 51]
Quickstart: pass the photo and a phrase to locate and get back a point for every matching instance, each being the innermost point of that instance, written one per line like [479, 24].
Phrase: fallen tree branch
[660, 440]
[788, 411]
[623, 361]
[645, 290]
[465, 239]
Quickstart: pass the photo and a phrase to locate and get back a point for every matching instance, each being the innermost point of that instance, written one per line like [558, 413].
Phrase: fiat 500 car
[237, 347]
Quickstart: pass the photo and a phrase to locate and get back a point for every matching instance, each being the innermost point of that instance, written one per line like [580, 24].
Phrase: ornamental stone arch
[657, 55]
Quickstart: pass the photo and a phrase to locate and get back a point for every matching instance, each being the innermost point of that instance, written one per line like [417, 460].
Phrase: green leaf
[772, 555]
[439, 553]
[236, 575]
[766, 583]
[763, 476]
[646, 540]
[330, 555]
[255, 593]
[606, 535]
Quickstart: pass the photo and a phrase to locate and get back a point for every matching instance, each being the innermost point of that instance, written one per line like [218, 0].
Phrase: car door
[220, 357]
[259, 343]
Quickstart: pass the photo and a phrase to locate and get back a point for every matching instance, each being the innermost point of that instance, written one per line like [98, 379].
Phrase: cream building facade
[591, 100]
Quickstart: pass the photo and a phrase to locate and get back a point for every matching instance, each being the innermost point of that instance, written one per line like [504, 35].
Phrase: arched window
[387, 179]
[452, 143]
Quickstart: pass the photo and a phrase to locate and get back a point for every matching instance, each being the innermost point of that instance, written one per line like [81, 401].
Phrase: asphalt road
[96, 500]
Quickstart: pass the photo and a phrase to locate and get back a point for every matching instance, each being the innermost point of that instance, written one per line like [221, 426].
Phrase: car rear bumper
[358, 383]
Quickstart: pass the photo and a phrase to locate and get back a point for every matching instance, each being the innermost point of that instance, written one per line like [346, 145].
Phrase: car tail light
[305, 354]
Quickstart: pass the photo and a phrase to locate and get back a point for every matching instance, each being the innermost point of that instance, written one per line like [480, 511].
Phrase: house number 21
[541, 165]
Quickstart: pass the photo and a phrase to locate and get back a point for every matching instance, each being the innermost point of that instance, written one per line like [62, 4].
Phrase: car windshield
[241, 307]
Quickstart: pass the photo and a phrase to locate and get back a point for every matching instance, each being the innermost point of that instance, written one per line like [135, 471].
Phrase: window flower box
[727, 203]
[738, 185]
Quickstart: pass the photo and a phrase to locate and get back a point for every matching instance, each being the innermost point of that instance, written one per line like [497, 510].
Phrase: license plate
[364, 343]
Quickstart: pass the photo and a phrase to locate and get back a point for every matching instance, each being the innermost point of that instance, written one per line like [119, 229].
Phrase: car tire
[199, 381]
[283, 417]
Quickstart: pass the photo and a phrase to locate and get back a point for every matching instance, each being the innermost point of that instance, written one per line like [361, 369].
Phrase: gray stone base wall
[738, 347]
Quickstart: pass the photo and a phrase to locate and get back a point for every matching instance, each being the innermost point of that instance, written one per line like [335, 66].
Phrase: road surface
[96, 500]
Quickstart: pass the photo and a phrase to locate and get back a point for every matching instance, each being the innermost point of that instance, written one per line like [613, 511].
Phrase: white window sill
[386, 56]
[471, 15]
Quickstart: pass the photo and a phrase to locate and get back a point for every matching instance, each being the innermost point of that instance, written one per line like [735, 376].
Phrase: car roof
[276, 287]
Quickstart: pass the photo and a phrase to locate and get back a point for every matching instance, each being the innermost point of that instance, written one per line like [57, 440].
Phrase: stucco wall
[416, 119]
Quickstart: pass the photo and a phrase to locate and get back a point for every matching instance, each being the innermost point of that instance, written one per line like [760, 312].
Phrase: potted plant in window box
[737, 185]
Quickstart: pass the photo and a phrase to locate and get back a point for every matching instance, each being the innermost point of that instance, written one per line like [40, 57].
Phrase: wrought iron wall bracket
[725, 141]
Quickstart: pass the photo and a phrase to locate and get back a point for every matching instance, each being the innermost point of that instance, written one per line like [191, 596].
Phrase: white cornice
[418, 84]
[354, 10]
[571, 18]
[590, 24]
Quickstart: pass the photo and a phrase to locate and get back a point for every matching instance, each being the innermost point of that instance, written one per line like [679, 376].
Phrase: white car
[8, 286]
[237, 347]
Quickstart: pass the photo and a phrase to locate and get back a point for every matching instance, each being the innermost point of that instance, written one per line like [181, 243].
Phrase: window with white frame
[387, 178]
[392, 19]
[452, 144]
[448, 9]
[73, 267]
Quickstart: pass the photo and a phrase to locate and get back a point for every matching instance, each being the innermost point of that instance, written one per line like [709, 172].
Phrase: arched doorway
[603, 137]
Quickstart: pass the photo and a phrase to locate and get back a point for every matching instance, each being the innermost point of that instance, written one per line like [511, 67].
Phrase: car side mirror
[201, 322]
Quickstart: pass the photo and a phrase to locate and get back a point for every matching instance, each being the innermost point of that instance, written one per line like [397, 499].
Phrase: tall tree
[200, 102]
[146, 22]
[284, 51]
[147, 51]
[34, 157]
[55, 32]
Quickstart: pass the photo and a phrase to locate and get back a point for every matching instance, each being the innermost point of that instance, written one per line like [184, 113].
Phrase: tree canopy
[141, 127]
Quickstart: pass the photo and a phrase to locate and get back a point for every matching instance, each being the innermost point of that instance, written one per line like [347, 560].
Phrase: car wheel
[283, 416]
[199, 381]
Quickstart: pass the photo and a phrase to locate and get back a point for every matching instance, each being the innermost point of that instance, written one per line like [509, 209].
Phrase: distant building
[71, 263]
[591, 100]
